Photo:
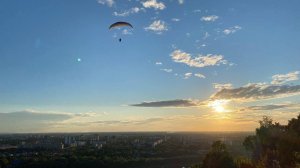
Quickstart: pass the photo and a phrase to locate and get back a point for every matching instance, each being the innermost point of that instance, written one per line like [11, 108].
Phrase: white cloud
[157, 26]
[284, 78]
[128, 12]
[126, 32]
[109, 3]
[158, 63]
[167, 70]
[199, 75]
[187, 75]
[154, 4]
[175, 19]
[210, 18]
[220, 86]
[181, 1]
[199, 61]
[232, 30]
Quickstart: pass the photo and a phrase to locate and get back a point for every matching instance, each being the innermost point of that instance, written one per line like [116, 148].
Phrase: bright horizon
[197, 66]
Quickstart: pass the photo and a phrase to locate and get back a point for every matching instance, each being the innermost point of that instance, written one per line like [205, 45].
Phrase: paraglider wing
[120, 24]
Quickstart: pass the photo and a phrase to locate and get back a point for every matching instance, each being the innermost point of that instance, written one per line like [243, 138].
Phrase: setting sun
[218, 105]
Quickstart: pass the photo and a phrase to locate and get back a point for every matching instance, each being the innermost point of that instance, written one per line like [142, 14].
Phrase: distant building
[160, 141]
[5, 146]
[81, 143]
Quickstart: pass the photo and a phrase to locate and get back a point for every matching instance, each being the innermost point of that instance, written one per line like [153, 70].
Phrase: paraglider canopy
[120, 24]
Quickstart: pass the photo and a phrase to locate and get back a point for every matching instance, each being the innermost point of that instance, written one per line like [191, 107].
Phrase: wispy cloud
[158, 63]
[199, 61]
[199, 75]
[157, 26]
[210, 18]
[167, 70]
[175, 19]
[154, 4]
[273, 107]
[258, 91]
[180, 2]
[129, 122]
[187, 75]
[169, 103]
[232, 30]
[37, 121]
[126, 32]
[29, 120]
[35, 115]
[284, 78]
[128, 12]
[109, 3]
[221, 86]
[197, 11]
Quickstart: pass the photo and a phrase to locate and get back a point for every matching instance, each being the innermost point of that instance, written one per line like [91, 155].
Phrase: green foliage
[242, 162]
[275, 145]
[249, 143]
[266, 122]
[196, 166]
[4, 162]
[218, 157]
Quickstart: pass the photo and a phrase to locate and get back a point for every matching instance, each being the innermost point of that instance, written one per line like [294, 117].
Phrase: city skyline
[185, 66]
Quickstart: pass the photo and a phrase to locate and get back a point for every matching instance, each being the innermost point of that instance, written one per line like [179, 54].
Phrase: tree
[242, 162]
[4, 162]
[218, 157]
[275, 145]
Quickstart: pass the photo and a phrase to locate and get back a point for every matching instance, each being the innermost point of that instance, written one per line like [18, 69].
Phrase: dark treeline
[273, 146]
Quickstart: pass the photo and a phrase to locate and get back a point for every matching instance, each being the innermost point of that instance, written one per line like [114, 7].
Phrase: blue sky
[184, 66]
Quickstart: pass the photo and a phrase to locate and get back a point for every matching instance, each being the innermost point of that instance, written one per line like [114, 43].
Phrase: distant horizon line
[122, 132]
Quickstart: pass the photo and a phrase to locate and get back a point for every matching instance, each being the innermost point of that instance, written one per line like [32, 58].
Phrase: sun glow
[218, 105]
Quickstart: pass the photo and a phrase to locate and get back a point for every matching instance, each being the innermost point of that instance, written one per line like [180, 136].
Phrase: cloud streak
[129, 122]
[175, 19]
[167, 70]
[270, 107]
[199, 75]
[258, 91]
[168, 103]
[30, 121]
[220, 86]
[187, 75]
